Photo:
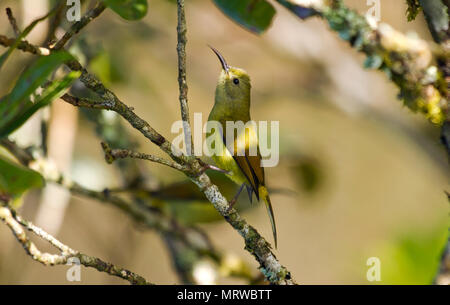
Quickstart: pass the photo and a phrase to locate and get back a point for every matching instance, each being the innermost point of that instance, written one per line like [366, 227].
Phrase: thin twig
[77, 26]
[15, 223]
[24, 46]
[13, 22]
[113, 154]
[22, 155]
[182, 83]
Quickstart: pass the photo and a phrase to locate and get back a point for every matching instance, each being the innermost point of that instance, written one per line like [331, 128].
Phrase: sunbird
[232, 103]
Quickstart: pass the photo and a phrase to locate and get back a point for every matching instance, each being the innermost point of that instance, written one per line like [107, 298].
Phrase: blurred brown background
[369, 174]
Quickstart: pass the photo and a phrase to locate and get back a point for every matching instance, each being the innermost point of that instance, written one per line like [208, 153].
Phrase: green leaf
[22, 35]
[128, 9]
[52, 92]
[15, 179]
[254, 15]
[16, 107]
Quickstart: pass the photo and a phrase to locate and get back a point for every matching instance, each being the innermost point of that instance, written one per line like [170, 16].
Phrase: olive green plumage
[232, 104]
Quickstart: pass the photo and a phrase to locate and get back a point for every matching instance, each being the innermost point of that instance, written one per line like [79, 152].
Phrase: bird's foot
[206, 166]
[233, 201]
[231, 204]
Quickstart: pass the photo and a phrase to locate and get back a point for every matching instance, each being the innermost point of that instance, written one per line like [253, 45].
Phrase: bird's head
[234, 83]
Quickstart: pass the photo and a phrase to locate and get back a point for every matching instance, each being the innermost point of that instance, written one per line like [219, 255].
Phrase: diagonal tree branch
[13, 22]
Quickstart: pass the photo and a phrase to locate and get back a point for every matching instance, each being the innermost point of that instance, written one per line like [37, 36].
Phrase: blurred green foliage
[15, 179]
[413, 258]
[309, 174]
[128, 9]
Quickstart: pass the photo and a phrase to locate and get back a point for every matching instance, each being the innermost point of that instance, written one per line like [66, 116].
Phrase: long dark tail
[264, 195]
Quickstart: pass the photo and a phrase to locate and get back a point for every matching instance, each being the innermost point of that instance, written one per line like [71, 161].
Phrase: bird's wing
[247, 156]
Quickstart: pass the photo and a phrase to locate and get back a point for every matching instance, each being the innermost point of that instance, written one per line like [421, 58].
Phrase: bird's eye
[235, 81]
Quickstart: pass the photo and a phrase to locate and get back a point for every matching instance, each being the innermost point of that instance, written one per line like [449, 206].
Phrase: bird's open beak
[222, 60]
